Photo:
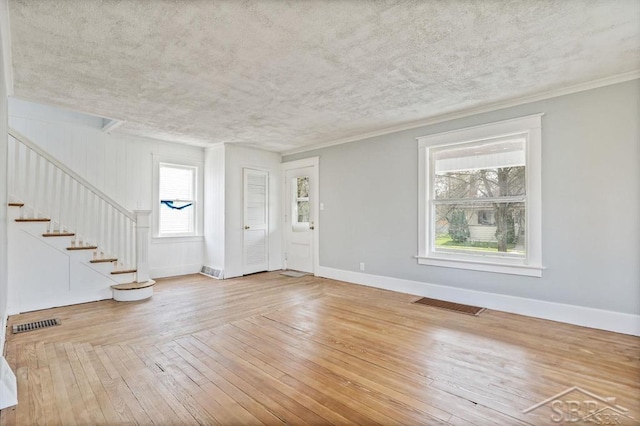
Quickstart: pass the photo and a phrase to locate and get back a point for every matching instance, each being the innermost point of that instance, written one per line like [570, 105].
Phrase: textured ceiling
[286, 74]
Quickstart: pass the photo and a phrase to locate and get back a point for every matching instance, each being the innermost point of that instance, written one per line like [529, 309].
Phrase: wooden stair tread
[38, 219]
[82, 248]
[16, 204]
[124, 271]
[133, 286]
[59, 234]
[103, 260]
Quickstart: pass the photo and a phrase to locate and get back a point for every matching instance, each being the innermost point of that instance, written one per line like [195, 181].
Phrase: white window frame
[197, 166]
[531, 264]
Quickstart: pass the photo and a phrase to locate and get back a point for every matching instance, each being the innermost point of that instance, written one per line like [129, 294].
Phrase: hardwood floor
[270, 349]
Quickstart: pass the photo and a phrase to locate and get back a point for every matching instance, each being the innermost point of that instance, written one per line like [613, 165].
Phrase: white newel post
[142, 244]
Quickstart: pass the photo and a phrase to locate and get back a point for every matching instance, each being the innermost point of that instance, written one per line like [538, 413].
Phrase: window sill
[500, 268]
[177, 239]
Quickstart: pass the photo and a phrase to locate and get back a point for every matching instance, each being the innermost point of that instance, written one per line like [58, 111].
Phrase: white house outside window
[177, 197]
[480, 198]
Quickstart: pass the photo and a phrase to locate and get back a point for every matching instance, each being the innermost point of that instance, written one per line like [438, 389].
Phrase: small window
[480, 198]
[300, 214]
[177, 189]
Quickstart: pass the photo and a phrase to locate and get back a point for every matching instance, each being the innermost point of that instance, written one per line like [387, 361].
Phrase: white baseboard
[65, 299]
[173, 271]
[571, 314]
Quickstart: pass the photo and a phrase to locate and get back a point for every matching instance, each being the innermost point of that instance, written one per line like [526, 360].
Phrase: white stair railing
[50, 189]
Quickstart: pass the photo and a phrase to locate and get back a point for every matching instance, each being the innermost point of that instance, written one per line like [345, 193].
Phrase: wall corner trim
[578, 315]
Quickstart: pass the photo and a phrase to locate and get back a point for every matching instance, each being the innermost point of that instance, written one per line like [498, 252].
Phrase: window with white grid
[177, 199]
[480, 198]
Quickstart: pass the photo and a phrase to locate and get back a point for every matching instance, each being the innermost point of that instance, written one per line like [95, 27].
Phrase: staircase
[68, 241]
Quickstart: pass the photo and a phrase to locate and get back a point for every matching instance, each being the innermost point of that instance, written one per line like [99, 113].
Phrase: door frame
[313, 162]
[268, 214]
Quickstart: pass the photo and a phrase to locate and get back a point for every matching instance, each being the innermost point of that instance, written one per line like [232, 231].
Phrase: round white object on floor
[131, 292]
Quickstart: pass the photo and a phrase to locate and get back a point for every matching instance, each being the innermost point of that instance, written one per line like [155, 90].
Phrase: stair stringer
[62, 243]
[43, 274]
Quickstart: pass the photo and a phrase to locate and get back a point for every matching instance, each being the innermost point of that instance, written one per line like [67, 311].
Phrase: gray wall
[590, 211]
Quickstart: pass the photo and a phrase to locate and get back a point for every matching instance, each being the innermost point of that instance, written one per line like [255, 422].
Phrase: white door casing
[301, 215]
[256, 221]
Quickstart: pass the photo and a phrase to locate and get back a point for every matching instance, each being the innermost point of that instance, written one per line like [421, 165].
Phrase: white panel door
[256, 221]
[299, 221]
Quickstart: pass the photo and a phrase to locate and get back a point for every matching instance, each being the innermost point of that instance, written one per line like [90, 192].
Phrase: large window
[480, 198]
[177, 199]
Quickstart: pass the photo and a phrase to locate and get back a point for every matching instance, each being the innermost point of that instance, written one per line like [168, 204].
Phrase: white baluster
[88, 219]
[70, 210]
[46, 195]
[125, 236]
[11, 167]
[126, 247]
[92, 219]
[53, 198]
[113, 229]
[27, 178]
[86, 214]
[104, 224]
[118, 252]
[78, 211]
[16, 170]
[101, 225]
[96, 220]
[82, 213]
[62, 206]
[121, 236]
[73, 210]
[36, 190]
[107, 229]
[132, 244]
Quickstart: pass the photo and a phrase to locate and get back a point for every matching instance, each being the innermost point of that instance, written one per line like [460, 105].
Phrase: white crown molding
[467, 112]
[5, 35]
[571, 314]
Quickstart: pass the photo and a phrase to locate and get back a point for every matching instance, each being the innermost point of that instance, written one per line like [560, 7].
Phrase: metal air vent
[211, 272]
[36, 325]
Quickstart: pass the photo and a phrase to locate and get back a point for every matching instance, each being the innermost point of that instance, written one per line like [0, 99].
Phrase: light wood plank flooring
[270, 349]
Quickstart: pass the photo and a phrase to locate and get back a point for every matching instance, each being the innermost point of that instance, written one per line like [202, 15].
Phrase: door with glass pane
[256, 221]
[299, 220]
